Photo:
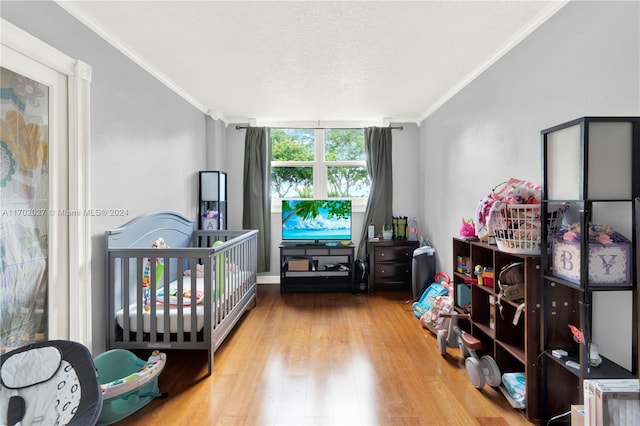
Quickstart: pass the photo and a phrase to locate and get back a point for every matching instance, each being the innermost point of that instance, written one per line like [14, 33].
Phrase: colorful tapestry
[24, 208]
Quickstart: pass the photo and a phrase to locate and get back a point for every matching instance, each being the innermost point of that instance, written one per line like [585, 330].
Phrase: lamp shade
[590, 158]
[213, 186]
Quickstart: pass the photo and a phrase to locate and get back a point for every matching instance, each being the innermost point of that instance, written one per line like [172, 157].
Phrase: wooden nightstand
[390, 261]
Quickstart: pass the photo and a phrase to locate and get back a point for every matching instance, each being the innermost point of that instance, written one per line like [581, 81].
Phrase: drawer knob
[381, 254]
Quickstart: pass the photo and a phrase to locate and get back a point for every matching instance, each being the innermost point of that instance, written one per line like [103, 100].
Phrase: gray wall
[147, 143]
[583, 61]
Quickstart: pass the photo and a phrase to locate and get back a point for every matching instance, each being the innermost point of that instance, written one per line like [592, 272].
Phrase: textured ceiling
[269, 61]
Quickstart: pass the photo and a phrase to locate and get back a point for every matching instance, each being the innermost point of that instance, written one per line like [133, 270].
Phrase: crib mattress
[235, 278]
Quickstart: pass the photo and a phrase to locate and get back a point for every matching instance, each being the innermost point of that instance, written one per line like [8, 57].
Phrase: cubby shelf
[515, 348]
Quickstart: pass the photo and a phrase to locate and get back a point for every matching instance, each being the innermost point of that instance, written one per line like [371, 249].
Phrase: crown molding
[542, 17]
[70, 8]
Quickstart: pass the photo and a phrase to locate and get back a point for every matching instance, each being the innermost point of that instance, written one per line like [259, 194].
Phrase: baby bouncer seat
[128, 383]
[49, 383]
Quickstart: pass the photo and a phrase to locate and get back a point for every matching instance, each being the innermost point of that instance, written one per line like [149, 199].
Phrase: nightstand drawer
[393, 254]
[397, 271]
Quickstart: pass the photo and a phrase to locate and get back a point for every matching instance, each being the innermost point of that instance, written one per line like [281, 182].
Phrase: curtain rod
[245, 126]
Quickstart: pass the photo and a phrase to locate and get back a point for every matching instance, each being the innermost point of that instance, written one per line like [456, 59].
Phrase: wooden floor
[325, 359]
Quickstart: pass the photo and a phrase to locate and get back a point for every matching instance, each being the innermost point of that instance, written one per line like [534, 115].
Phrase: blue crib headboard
[142, 231]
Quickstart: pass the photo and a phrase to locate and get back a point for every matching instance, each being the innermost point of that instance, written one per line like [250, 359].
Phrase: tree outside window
[320, 163]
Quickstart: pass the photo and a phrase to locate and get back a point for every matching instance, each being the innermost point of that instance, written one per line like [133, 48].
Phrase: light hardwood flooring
[325, 359]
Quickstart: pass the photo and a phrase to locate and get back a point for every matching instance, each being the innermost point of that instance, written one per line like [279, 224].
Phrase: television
[316, 220]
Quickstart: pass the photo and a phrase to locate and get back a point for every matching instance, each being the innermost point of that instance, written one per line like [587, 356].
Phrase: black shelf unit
[588, 166]
[212, 197]
[324, 267]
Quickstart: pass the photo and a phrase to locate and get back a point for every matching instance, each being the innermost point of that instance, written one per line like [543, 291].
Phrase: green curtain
[256, 212]
[377, 143]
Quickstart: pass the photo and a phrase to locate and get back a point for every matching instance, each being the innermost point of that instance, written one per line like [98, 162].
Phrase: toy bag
[432, 319]
[440, 302]
[428, 298]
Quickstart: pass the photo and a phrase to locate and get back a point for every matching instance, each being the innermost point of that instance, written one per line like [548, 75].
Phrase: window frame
[320, 167]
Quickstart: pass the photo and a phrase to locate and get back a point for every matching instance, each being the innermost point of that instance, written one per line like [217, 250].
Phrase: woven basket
[517, 227]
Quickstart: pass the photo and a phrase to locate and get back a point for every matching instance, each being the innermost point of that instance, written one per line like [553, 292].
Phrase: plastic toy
[127, 382]
[478, 271]
[480, 369]
[147, 371]
[146, 273]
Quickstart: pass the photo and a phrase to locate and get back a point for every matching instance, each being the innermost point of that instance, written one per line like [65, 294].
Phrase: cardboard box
[298, 264]
[488, 277]
[209, 224]
[608, 265]
[577, 415]
[611, 402]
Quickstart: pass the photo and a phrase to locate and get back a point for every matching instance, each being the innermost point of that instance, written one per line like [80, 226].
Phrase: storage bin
[608, 264]
[298, 265]
[463, 295]
[488, 276]
[423, 269]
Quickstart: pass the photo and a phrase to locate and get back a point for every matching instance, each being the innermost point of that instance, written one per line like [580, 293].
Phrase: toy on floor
[434, 300]
[128, 383]
[480, 370]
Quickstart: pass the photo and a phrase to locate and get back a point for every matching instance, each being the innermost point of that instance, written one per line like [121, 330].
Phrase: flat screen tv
[316, 220]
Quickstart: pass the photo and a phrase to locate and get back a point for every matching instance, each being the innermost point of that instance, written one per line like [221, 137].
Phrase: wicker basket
[517, 227]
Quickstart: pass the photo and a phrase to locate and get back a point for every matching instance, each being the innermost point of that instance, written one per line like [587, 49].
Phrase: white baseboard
[268, 279]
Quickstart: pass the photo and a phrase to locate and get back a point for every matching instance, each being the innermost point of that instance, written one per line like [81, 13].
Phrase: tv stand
[316, 267]
[316, 243]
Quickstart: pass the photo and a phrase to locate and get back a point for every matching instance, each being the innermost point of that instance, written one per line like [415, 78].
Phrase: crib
[187, 295]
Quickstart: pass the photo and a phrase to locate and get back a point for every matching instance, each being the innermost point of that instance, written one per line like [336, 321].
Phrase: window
[318, 163]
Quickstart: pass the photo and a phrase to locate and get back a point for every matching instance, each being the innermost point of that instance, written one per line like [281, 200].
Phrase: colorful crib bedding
[233, 280]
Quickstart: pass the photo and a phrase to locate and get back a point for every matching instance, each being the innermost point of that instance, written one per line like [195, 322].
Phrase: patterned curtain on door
[24, 218]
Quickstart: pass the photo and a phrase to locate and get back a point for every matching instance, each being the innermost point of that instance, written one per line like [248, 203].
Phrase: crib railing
[235, 264]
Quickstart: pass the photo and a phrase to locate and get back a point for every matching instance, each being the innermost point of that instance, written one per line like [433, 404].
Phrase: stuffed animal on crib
[467, 228]
[199, 271]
